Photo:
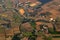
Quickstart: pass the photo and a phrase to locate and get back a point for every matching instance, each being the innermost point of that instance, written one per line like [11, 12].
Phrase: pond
[44, 1]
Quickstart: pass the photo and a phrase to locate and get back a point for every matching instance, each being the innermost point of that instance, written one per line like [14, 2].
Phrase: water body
[44, 1]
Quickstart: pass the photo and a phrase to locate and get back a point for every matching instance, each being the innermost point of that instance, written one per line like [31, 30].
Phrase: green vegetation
[1, 30]
[27, 34]
[16, 18]
[9, 4]
[39, 33]
[15, 37]
[58, 20]
[48, 13]
[56, 36]
[52, 31]
[33, 24]
[47, 37]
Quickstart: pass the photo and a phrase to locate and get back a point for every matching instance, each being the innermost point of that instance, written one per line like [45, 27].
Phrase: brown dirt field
[56, 39]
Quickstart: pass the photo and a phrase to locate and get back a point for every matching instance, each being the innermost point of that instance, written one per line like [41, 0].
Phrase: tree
[33, 24]
[9, 4]
[15, 37]
[47, 37]
[58, 20]
[48, 13]
[33, 36]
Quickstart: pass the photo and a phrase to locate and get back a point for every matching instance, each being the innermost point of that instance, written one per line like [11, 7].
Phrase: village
[29, 20]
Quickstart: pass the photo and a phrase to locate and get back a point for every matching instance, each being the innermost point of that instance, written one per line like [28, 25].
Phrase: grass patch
[51, 31]
[56, 36]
